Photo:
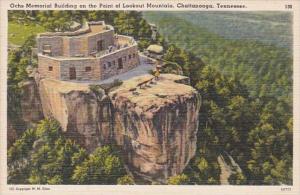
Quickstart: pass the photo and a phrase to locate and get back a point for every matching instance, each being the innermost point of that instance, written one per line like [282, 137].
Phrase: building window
[50, 68]
[129, 56]
[120, 63]
[109, 64]
[104, 66]
[47, 50]
[88, 69]
[134, 55]
[100, 45]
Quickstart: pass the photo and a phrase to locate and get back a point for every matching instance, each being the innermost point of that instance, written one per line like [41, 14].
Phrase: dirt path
[228, 167]
[225, 170]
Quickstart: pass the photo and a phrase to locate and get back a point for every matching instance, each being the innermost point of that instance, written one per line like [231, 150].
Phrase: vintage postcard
[150, 97]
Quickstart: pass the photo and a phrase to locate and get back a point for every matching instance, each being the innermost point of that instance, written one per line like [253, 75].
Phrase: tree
[55, 157]
[125, 24]
[181, 179]
[237, 178]
[101, 167]
[126, 180]
[203, 165]
[49, 130]
[18, 61]
[55, 20]
[18, 158]
[43, 156]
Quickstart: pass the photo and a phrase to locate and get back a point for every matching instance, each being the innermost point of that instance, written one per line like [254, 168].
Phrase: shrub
[181, 179]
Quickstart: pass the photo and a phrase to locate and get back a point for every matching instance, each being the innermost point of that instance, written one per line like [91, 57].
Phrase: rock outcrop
[27, 111]
[82, 114]
[155, 123]
[31, 106]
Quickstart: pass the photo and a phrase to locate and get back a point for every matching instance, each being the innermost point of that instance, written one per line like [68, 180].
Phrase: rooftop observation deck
[88, 29]
[121, 42]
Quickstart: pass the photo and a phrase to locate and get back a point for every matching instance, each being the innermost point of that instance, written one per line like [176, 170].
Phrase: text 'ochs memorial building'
[91, 53]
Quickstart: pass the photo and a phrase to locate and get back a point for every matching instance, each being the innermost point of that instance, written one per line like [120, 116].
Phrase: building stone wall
[107, 37]
[80, 66]
[66, 46]
[109, 63]
[45, 63]
[98, 68]
[72, 46]
[56, 43]
[78, 46]
[101, 68]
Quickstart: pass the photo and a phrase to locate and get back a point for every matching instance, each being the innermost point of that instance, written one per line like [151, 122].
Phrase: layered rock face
[30, 111]
[155, 123]
[30, 102]
[83, 115]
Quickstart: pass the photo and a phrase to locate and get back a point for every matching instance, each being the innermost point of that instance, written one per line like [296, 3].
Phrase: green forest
[246, 112]
[264, 67]
[44, 156]
[266, 27]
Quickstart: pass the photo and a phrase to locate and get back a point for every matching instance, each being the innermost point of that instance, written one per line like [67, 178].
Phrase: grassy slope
[18, 33]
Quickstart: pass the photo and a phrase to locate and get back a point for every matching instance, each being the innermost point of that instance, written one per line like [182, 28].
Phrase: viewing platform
[92, 53]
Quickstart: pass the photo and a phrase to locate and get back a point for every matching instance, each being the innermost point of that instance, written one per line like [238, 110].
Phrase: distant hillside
[237, 44]
[270, 27]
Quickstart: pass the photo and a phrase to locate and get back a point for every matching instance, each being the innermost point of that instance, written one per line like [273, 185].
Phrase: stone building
[91, 53]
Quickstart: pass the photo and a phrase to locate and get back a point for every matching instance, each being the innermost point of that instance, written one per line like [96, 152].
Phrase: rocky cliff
[83, 114]
[27, 112]
[156, 124]
[154, 121]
